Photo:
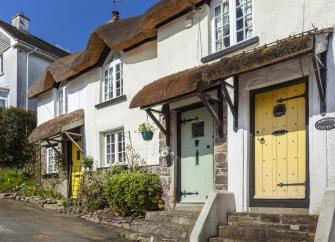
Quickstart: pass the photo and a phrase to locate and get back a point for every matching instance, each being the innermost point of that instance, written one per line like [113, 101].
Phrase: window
[3, 99]
[115, 148]
[62, 101]
[51, 161]
[1, 64]
[112, 86]
[232, 22]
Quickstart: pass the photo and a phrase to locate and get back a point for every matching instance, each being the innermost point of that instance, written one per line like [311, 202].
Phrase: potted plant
[87, 163]
[147, 131]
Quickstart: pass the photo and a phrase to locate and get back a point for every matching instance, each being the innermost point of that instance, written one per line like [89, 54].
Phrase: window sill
[51, 175]
[111, 102]
[230, 50]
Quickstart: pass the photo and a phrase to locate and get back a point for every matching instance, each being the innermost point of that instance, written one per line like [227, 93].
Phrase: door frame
[285, 203]
[179, 112]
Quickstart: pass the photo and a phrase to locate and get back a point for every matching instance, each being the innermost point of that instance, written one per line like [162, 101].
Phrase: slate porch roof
[33, 40]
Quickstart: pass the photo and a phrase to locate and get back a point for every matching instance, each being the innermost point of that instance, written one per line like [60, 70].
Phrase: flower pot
[147, 136]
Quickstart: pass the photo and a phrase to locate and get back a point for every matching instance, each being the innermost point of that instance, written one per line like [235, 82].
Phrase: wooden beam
[74, 134]
[53, 147]
[320, 77]
[166, 112]
[158, 124]
[74, 142]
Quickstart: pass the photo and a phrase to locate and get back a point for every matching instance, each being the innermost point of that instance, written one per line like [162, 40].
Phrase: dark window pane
[240, 36]
[239, 12]
[239, 24]
[226, 41]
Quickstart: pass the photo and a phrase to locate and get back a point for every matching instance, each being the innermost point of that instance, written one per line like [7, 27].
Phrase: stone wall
[57, 182]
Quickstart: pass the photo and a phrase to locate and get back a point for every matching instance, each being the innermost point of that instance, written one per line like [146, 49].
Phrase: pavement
[20, 222]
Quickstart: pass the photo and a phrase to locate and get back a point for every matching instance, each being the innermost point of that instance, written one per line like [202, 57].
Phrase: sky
[69, 23]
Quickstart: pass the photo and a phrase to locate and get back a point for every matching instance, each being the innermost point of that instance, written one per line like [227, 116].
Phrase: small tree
[16, 125]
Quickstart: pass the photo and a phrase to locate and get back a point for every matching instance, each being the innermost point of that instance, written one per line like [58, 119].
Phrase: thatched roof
[117, 35]
[169, 87]
[186, 82]
[55, 126]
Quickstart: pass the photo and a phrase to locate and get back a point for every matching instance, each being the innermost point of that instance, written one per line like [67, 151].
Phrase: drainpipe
[27, 76]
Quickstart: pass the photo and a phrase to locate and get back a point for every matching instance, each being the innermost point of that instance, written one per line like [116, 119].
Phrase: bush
[134, 193]
[12, 180]
[17, 181]
[91, 193]
[16, 125]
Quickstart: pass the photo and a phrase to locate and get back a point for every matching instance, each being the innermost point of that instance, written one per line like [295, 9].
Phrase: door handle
[261, 140]
[197, 158]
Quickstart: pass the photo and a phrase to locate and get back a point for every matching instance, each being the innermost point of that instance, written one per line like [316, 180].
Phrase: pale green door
[197, 163]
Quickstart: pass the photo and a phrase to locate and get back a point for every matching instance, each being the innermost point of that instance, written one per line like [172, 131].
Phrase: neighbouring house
[240, 91]
[23, 59]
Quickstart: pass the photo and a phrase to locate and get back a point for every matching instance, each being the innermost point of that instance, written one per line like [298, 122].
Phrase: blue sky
[68, 23]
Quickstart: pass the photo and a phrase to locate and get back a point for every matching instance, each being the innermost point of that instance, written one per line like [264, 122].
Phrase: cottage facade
[23, 59]
[233, 113]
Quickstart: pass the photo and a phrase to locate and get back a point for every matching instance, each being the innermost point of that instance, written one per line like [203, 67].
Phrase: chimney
[21, 22]
[115, 16]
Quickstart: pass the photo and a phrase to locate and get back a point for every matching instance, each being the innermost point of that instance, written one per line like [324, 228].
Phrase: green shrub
[134, 193]
[12, 180]
[91, 193]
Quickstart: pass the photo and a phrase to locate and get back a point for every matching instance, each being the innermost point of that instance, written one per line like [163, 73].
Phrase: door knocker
[279, 110]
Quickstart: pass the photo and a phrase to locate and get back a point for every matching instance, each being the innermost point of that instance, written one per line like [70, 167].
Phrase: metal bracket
[233, 105]
[320, 68]
[166, 112]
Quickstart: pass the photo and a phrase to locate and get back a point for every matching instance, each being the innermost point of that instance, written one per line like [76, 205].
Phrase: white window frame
[116, 140]
[51, 161]
[4, 98]
[109, 89]
[62, 101]
[232, 23]
[1, 65]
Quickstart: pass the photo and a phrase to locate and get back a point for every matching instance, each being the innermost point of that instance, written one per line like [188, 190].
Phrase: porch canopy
[57, 126]
[196, 81]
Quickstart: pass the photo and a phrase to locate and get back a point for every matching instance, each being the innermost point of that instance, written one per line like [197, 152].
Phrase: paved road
[22, 223]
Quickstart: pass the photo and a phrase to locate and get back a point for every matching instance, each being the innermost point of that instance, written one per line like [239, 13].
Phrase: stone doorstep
[261, 234]
[140, 237]
[175, 217]
[282, 219]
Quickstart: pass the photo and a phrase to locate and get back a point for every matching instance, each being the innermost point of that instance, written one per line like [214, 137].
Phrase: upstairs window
[112, 86]
[115, 147]
[3, 99]
[51, 161]
[1, 64]
[62, 101]
[232, 22]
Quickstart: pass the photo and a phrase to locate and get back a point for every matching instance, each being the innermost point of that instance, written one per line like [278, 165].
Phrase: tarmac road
[20, 222]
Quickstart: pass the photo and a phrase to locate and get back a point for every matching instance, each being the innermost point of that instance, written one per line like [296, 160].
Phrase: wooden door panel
[280, 144]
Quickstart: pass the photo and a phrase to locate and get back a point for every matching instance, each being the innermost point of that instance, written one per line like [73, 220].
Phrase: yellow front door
[76, 175]
[280, 143]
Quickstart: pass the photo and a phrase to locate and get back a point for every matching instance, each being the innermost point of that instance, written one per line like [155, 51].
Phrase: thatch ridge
[117, 36]
[54, 126]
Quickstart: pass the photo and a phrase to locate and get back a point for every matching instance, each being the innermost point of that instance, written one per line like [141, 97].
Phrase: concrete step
[262, 233]
[176, 217]
[142, 237]
[225, 240]
[163, 229]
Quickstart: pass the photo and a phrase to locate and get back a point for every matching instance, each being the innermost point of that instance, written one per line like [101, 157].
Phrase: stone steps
[174, 226]
[244, 227]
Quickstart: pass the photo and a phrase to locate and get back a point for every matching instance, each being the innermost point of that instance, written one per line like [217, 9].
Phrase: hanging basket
[148, 135]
